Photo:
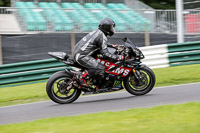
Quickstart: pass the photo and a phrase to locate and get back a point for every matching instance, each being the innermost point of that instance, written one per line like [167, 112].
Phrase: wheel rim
[140, 86]
[59, 89]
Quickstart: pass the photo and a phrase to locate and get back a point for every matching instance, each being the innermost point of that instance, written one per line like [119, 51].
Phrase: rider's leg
[100, 70]
[82, 78]
[94, 68]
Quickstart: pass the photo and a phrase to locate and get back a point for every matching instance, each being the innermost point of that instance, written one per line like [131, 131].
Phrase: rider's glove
[115, 45]
[118, 46]
[120, 57]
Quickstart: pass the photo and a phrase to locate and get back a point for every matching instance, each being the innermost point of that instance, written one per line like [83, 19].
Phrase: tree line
[156, 4]
[160, 4]
[5, 3]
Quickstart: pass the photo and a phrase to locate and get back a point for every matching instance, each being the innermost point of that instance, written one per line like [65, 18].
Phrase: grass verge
[177, 75]
[183, 118]
[36, 92]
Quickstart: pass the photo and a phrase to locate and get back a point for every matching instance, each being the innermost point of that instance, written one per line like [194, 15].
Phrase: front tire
[56, 88]
[148, 81]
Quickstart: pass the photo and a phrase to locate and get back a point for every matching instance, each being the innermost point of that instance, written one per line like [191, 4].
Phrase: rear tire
[148, 82]
[56, 88]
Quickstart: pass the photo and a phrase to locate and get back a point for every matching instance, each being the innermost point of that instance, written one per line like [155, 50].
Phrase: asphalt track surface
[100, 103]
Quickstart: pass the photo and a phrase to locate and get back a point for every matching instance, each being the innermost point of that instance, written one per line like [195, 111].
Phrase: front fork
[137, 73]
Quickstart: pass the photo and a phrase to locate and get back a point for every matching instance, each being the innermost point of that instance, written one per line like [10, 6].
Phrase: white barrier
[156, 56]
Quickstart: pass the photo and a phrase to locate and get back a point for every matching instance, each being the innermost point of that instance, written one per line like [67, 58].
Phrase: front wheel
[142, 86]
[57, 91]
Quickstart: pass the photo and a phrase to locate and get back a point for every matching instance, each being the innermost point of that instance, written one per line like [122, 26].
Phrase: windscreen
[128, 43]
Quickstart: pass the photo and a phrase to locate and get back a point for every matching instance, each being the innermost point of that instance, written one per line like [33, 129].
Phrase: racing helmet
[107, 26]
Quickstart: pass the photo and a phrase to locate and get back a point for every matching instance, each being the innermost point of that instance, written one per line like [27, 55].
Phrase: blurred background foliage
[5, 3]
[160, 4]
[157, 4]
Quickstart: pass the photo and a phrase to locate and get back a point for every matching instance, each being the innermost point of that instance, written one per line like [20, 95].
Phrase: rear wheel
[59, 91]
[144, 85]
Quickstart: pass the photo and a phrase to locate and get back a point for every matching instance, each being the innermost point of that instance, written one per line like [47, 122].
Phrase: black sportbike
[138, 79]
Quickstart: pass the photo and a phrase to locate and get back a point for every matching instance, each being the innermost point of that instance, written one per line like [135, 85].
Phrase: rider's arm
[109, 44]
[102, 42]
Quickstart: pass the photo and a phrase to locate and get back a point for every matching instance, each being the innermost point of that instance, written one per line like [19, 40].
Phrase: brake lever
[129, 60]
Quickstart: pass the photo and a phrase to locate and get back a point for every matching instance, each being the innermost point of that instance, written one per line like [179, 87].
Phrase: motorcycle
[138, 79]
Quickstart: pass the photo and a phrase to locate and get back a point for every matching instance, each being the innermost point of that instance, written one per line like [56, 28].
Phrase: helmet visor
[112, 29]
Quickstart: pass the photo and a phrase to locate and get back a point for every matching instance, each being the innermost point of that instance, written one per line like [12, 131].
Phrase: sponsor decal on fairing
[117, 71]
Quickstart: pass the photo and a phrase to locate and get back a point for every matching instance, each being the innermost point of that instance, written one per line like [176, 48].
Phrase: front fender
[142, 65]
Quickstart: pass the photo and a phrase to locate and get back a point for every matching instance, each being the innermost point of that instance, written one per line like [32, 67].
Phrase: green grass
[182, 118]
[36, 92]
[23, 94]
[177, 75]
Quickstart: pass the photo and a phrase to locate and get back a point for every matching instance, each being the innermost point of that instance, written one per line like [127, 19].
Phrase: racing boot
[82, 79]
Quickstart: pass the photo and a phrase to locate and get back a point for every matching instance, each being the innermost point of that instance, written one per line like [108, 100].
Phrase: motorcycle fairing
[123, 71]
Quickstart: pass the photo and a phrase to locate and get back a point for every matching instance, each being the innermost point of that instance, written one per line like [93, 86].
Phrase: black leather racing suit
[92, 42]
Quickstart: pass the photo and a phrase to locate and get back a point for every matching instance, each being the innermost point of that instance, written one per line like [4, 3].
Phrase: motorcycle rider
[93, 41]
